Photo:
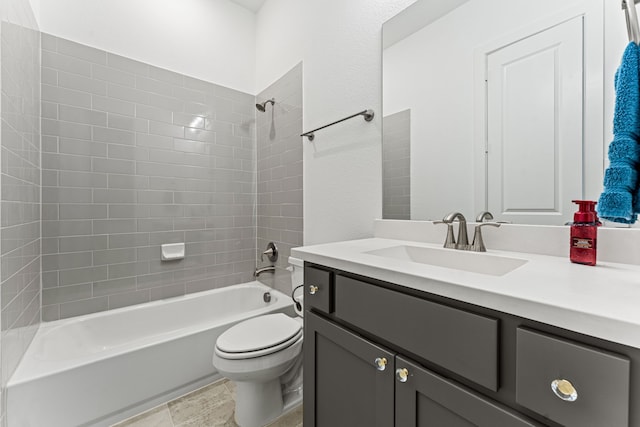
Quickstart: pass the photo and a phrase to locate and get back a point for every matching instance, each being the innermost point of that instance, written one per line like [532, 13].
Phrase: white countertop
[602, 301]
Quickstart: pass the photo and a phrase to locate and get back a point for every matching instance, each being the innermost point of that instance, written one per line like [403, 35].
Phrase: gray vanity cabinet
[598, 379]
[425, 399]
[348, 381]
[352, 382]
[460, 341]
[378, 354]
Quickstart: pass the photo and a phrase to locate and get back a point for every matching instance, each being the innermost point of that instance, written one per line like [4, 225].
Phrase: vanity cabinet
[426, 399]
[351, 381]
[462, 342]
[356, 382]
[378, 354]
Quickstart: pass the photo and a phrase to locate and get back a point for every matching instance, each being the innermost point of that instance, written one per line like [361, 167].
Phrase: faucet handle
[450, 241]
[491, 224]
[271, 253]
[478, 242]
[484, 215]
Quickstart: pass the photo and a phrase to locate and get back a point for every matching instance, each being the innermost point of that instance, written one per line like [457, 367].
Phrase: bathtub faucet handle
[271, 253]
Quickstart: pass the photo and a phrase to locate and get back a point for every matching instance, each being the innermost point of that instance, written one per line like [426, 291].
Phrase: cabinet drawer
[461, 342]
[601, 380]
[318, 286]
[423, 395]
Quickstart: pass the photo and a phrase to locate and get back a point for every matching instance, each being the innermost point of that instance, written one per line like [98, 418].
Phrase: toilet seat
[258, 336]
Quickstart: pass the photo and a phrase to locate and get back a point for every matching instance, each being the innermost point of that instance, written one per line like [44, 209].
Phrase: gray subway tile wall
[20, 187]
[135, 156]
[279, 153]
[396, 166]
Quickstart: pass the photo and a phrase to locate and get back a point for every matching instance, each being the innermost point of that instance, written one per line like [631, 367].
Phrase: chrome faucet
[462, 242]
[478, 242]
[259, 271]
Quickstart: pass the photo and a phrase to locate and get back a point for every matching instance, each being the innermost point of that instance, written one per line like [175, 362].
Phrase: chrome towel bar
[368, 116]
[633, 30]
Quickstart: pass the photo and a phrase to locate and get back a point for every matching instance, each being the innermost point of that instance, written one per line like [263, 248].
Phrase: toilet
[263, 356]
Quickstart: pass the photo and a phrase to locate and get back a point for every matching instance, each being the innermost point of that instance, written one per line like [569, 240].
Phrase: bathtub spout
[259, 271]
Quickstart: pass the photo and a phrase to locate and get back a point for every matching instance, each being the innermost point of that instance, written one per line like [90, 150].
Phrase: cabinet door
[424, 399]
[348, 381]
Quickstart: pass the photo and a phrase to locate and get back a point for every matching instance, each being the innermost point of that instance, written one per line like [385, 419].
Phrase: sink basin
[475, 262]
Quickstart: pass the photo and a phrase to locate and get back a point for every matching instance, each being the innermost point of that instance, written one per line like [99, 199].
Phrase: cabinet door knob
[381, 363]
[313, 289]
[402, 374]
[564, 390]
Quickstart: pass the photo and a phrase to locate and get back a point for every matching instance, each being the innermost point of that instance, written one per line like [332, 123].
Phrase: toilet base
[258, 403]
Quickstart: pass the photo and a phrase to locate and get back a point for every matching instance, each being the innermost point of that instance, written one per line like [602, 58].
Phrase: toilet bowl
[263, 356]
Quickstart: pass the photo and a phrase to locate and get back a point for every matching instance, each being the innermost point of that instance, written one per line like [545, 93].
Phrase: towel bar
[368, 116]
[631, 17]
[624, 3]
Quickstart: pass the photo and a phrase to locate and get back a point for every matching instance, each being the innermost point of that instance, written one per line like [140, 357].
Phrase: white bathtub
[100, 368]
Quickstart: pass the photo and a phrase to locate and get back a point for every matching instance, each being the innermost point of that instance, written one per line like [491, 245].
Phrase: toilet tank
[297, 271]
[296, 266]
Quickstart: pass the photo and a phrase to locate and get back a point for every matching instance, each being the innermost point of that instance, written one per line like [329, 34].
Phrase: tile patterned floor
[210, 406]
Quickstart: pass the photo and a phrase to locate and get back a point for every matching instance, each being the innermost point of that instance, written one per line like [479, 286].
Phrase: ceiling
[253, 5]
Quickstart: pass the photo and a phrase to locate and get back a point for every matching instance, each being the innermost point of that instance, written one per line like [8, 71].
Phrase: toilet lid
[259, 333]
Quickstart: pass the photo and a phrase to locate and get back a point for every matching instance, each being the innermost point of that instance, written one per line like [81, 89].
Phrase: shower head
[262, 107]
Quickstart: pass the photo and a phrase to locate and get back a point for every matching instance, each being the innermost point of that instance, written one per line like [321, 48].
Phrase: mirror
[493, 105]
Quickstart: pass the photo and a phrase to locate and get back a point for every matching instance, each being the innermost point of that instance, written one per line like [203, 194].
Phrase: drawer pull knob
[313, 289]
[381, 363]
[564, 390]
[402, 374]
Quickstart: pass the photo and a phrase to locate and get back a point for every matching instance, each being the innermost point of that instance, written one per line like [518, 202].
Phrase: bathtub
[97, 369]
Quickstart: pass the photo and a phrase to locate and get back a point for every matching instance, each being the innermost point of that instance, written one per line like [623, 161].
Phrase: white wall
[342, 189]
[35, 7]
[280, 31]
[19, 12]
[339, 43]
[213, 40]
[342, 75]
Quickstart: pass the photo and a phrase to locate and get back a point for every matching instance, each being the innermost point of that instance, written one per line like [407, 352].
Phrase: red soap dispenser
[584, 233]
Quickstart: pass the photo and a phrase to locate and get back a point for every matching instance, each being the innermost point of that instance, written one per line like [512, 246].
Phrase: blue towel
[621, 177]
[624, 149]
[626, 116]
[620, 200]
[618, 206]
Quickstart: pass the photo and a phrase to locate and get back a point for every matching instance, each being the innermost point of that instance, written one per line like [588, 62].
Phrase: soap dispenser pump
[584, 233]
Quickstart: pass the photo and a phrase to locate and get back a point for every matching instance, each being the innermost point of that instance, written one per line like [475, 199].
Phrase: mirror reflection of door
[535, 124]
[544, 106]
